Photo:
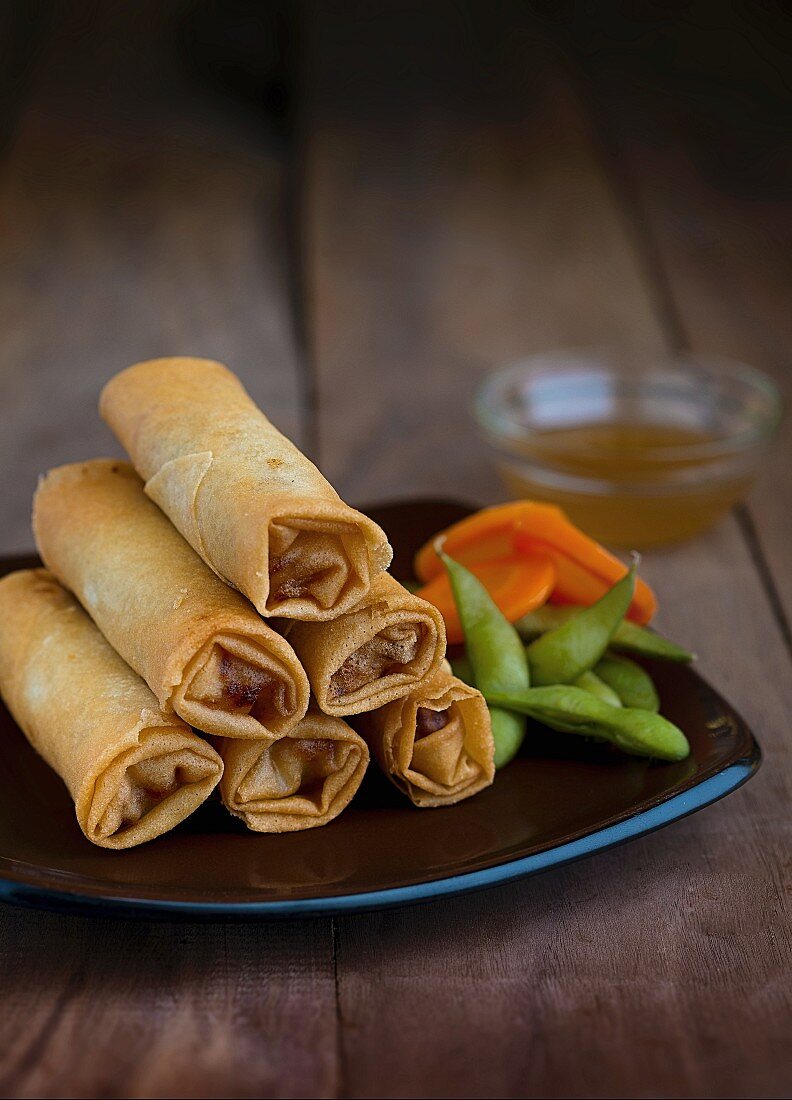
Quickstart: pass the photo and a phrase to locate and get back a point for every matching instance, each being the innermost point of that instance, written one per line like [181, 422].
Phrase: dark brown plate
[560, 800]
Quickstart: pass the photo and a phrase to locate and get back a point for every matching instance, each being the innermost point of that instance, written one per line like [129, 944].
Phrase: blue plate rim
[666, 812]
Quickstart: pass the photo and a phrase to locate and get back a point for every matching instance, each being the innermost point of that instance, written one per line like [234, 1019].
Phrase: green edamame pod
[572, 710]
[629, 681]
[590, 681]
[495, 651]
[628, 637]
[463, 669]
[562, 655]
[508, 733]
[508, 728]
[632, 638]
[548, 617]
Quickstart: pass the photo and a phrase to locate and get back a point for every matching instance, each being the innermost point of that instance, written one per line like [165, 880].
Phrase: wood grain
[459, 208]
[434, 140]
[141, 218]
[113, 1008]
[478, 221]
[711, 183]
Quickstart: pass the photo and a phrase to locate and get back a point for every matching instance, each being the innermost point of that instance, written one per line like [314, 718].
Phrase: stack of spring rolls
[214, 615]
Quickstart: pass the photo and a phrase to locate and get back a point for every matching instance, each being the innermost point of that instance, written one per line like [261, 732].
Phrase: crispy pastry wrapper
[298, 782]
[245, 498]
[197, 643]
[132, 771]
[434, 764]
[376, 653]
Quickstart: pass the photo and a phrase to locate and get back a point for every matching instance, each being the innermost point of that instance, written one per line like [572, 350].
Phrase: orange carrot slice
[585, 570]
[578, 583]
[517, 585]
[484, 536]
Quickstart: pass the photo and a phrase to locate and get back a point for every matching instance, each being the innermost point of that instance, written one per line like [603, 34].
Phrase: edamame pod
[495, 651]
[572, 710]
[463, 670]
[590, 681]
[629, 681]
[628, 636]
[508, 733]
[562, 655]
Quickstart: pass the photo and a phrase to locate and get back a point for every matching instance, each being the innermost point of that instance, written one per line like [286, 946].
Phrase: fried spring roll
[376, 653]
[200, 646]
[299, 782]
[132, 771]
[245, 498]
[434, 744]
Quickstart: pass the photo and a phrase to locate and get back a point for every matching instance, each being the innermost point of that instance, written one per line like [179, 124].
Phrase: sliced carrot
[585, 569]
[577, 583]
[517, 585]
[485, 536]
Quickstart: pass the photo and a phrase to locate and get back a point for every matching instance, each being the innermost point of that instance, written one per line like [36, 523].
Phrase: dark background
[363, 208]
[422, 187]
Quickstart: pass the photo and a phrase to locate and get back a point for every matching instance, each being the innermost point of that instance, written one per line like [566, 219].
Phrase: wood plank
[459, 214]
[142, 217]
[418, 119]
[712, 180]
[97, 1008]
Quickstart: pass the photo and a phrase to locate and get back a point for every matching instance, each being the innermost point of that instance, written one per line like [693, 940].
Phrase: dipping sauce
[636, 452]
[648, 491]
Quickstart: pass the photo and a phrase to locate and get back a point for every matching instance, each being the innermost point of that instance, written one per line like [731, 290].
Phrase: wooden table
[468, 184]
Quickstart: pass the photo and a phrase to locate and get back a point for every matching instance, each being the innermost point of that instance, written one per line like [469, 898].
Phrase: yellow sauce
[648, 486]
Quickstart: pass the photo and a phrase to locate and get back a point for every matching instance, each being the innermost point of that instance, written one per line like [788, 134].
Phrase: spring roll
[245, 498]
[434, 744]
[304, 780]
[197, 643]
[133, 771]
[378, 652]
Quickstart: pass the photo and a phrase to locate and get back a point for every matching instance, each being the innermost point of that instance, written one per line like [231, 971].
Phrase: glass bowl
[637, 452]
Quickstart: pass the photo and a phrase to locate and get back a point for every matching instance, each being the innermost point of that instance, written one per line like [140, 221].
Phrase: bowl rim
[502, 429]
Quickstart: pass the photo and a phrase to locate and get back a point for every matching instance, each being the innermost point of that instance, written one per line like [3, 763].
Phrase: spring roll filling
[439, 753]
[134, 787]
[228, 681]
[310, 560]
[295, 766]
[430, 721]
[394, 649]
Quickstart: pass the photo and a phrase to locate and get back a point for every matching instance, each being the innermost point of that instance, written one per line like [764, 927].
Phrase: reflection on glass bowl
[637, 452]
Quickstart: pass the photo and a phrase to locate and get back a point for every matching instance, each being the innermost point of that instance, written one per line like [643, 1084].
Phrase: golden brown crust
[433, 763]
[378, 652]
[171, 619]
[298, 782]
[132, 771]
[247, 500]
